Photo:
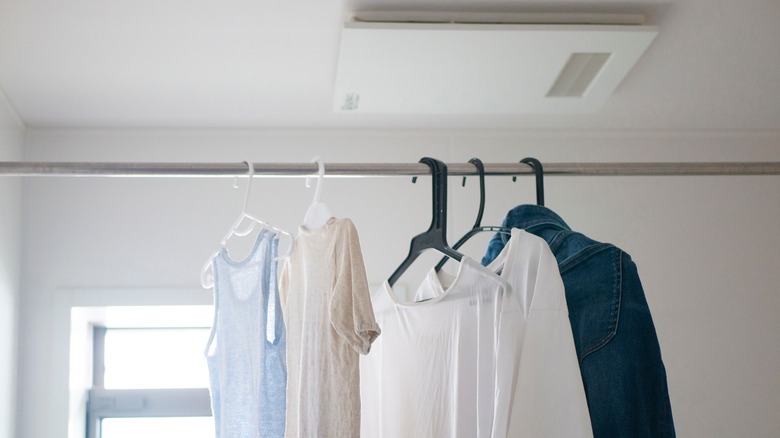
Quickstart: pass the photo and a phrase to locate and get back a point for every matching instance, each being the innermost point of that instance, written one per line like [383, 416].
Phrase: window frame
[75, 310]
[136, 403]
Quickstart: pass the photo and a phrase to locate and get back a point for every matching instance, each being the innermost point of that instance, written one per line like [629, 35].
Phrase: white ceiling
[270, 64]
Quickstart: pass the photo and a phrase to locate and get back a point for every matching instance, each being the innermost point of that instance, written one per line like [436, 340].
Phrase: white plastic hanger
[317, 214]
[207, 273]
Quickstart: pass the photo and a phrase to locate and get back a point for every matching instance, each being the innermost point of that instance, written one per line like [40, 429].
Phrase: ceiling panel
[250, 64]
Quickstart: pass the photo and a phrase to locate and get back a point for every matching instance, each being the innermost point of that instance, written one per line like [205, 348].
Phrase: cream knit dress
[327, 309]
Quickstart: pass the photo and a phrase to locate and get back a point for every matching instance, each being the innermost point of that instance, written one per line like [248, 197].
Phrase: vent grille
[578, 74]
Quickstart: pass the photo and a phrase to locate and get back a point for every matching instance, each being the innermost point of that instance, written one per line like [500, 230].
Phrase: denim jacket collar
[529, 216]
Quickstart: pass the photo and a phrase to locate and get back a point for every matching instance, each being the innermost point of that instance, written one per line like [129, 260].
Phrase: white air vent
[578, 74]
[445, 68]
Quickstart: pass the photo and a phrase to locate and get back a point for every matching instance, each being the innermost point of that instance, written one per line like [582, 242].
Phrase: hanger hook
[481, 170]
[320, 175]
[439, 188]
[536, 165]
[251, 174]
[320, 170]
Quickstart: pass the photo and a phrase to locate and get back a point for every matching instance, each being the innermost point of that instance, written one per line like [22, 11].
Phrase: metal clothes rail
[123, 169]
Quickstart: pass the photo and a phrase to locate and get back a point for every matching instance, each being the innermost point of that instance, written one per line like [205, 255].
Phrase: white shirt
[432, 373]
[539, 390]
[546, 397]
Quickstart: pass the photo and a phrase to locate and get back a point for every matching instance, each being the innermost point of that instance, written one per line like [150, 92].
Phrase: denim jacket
[614, 336]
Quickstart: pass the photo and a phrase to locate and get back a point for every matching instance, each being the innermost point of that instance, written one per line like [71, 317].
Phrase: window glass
[155, 358]
[164, 427]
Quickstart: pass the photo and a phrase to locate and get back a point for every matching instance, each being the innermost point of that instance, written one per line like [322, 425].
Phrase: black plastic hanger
[536, 165]
[436, 235]
[477, 228]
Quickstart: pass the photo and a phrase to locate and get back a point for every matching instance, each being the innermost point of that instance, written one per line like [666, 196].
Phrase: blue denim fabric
[616, 343]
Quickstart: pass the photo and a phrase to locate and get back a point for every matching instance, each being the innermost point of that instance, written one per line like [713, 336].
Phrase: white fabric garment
[327, 310]
[433, 371]
[546, 397]
[539, 391]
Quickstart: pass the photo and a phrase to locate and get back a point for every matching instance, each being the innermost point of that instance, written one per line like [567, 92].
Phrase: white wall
[706, 247]
[11, 149]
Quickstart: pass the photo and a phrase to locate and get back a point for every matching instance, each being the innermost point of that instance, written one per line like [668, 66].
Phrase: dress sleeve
[351, 312]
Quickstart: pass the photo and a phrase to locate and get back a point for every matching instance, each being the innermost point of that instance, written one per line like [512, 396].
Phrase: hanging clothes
[545, 397]
[327, 309]
[433, 373]
[245, 352]
[542, 382]
[614, 336]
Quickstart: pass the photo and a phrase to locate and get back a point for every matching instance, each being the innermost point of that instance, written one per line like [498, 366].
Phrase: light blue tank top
[246, 350]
